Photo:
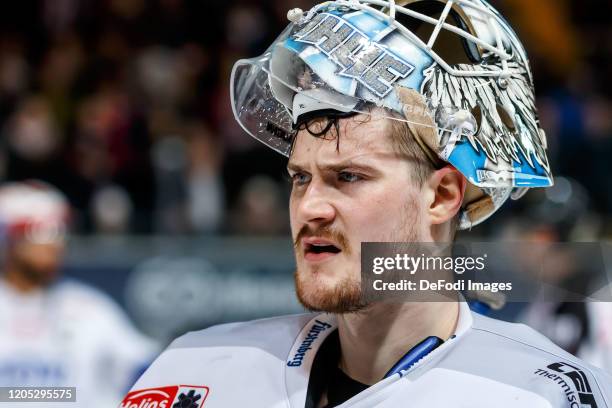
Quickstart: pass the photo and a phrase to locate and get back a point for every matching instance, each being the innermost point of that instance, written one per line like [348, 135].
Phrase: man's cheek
[372, 228]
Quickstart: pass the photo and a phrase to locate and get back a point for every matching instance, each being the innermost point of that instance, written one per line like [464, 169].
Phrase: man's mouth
[316, 249]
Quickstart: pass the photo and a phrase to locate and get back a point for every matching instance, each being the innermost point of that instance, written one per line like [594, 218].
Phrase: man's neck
[373, 340]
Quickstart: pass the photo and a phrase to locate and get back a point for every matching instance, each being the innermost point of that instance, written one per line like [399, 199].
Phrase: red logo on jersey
[172, 396]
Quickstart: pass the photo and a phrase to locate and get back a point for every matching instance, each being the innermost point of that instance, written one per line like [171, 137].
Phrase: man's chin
[319, 293]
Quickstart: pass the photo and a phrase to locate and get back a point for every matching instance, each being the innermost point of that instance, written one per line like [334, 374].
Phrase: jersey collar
[307, 343]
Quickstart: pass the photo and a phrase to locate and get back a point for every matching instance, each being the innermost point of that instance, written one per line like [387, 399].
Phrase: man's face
[38, 263]
[343, 194]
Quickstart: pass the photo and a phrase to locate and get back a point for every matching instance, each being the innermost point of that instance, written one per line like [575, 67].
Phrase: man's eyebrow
[350, 164]
[293, 167]
[347, 164]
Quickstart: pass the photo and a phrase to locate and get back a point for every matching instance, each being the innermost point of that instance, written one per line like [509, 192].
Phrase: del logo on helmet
[173, 396]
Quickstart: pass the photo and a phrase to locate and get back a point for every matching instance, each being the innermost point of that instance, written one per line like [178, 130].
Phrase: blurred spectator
[59, 15]
[14, 73]
[31, 132]
[56, 332]
[170, 163]
[261, 208]
[112, 209]
[205, 186]
[556, 40]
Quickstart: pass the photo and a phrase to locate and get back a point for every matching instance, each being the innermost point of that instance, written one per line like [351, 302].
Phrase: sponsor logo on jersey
[172, 396]
[310, 338]
[359, 57]
[573, 382]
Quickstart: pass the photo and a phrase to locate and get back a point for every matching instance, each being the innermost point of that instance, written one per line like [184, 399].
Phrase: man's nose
[315, 205]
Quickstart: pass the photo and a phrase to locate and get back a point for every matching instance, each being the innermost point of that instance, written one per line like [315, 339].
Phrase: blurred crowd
[124, 106]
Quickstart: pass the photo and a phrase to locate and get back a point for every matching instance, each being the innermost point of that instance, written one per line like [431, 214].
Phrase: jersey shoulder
[265, 334]
[516, 352]
[253, 352]
[517, 334]
[76, 293]
[97, 312]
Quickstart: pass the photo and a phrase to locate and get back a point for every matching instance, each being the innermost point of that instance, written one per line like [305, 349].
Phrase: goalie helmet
[453, 70]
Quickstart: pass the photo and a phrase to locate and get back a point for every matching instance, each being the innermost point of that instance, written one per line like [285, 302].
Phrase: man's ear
[448, 187]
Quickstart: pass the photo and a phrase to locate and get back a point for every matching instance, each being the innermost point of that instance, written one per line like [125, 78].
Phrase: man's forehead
[360, 136]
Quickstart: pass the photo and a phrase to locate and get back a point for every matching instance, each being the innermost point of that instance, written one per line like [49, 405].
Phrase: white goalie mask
[453, 68]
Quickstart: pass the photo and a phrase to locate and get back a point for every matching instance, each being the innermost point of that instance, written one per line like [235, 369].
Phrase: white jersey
[267, 363]
[69, 335]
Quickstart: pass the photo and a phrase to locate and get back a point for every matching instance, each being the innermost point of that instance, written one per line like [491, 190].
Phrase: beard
[346, 294]
[344, 297]
[38, 276]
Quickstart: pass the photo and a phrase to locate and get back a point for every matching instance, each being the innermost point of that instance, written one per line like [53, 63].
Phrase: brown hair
[406, 144]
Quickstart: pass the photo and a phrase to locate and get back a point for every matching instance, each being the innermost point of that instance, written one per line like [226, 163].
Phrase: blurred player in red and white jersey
[53, 331]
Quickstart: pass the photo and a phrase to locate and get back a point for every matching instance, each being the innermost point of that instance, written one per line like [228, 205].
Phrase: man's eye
[300, 179]
[348, 177]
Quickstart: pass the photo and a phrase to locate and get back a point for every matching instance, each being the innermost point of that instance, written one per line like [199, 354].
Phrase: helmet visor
[273, 93]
